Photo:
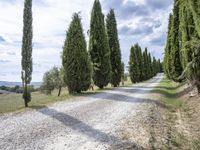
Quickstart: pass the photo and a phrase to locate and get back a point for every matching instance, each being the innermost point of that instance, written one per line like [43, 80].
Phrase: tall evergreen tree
[176, 64]
[150, 67]
[115, 53]
[167, 59]
[134, 65]
[26, 53]
[76, 62]
[183, 38]
[99, 47]
[155, 66]
[146, 64]
[140, 61]
[122, 72]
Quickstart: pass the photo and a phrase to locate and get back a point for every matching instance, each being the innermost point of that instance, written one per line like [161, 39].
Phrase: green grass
[169, 91]
[14, 102]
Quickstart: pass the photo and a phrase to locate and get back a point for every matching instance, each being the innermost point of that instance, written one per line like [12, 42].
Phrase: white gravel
[91, 123]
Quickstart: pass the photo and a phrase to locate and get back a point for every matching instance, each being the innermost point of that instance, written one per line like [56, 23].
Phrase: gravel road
[90, 122]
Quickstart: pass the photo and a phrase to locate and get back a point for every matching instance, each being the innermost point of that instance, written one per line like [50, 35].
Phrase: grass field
[14, 102]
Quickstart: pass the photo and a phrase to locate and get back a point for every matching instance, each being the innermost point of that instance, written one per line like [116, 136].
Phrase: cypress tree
[160, 67]
[150, 67]
[146, 64]
[140, 61]
[134, 66]
[26, 53]
[115, 53]
[76, 62]
[176, 64]
[183, 42]
[99, 47]
[155, 66]
[167, 59]
[194, 6]
[122, 72]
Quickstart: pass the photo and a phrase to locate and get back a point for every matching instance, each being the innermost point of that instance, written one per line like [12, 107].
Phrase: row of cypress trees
[141, 65]
[102, 63]
[182, 52]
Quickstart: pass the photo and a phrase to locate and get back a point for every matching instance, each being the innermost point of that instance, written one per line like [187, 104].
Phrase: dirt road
[92, 122]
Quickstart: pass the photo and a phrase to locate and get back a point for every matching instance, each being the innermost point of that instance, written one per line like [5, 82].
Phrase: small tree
[53, 79]
[48, 84]
[26, 53]
[76, 62]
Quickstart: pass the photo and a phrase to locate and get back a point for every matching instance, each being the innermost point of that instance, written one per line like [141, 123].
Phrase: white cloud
[51, 19]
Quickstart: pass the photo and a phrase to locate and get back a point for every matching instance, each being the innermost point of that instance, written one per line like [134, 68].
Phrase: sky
[138, 21]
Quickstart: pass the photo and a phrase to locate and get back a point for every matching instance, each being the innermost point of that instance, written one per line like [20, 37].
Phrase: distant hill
[13, 84]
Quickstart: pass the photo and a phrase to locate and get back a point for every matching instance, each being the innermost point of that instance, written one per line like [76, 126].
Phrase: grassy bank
[14, 102]
[170, 93]
[178, 105]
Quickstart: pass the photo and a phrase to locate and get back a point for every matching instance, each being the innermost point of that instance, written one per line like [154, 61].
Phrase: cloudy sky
[142, 21]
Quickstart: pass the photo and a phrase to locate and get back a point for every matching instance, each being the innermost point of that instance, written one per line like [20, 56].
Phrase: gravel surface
[92, 122]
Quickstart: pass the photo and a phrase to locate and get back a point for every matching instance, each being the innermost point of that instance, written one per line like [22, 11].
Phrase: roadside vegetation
[13, 102]
[175, 116]
[182, 52]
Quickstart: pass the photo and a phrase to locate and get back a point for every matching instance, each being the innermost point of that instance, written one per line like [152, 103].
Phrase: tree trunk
[26, 104]
[59, 92]
[25, 97]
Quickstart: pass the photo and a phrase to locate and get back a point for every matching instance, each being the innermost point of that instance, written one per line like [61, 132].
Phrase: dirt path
[92, 123]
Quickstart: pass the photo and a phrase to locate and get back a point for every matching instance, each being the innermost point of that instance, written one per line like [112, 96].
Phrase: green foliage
[134, 65]
[27, 50]
[138, 50]
[176, 64]
[182, 50]
[48, 85]
[150, 68]
[76, 62]
[122, 72]
[167, 59]
[27, 95]
[141, 66]
[52, 79]
[99, 47]
[146, 64]
[193, 70]
[155, 67]
[115, 53]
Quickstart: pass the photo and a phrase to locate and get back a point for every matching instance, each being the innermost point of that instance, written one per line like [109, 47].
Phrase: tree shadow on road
[81, 127]
[128, 99]
[156, 90]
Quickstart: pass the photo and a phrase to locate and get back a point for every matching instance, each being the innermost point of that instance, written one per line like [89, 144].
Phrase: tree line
[141, 65]
[182, 52]
[97, 64]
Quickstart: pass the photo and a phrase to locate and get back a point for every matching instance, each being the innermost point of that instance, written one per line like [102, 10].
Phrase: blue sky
[142, 21]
